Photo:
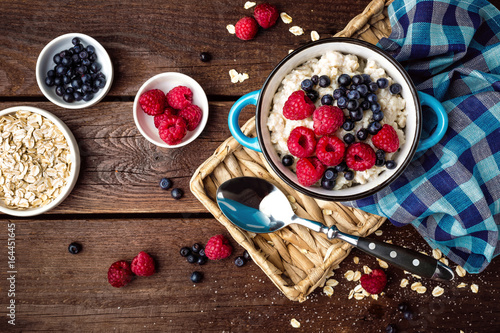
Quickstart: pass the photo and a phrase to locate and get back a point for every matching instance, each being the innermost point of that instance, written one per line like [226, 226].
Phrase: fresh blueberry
[191, 258]
[93, 57]
[341, 167]
[352, 105]
[176, 193]
[86, 62]
[246, 255]
[88, 96]
[70, 90]
[66, 79]
[382, 83]
[337, 93]
[204, 56]
[374, 127]
[49, 81]
[51, 73]
[349, 138]
[201, 253]
[185, 251]
[353, 87]
[98, 83]
[83, 55]
[365, 105]
[74, 248]
[202, 260]
[344, 80]
[342, 102]
[380, 154]
[330, 174]
[378, 116]
[375, 107]
[362, 134]
[327, 99]
[78, 96]
[287, 160]
[357, 79]
[95, 90]
[391, 329]
[379, 162]
[95, 67]
[324, 81]
[86, 78]
[91, 49]
[373, 86]
[59, 90]
[327, 184]
[70, 73]
[306, 85]
[313, 95]
[76, 83]
[366, 78]
[315, 79]
[66, 61]
[68, 98]
[196, 277]
[63, 54]
[239, 261]
[390, 164]
[57, 59]
[81, 70]
[408, 315]
[165, 183]
[356, 115]
[372, 98]
[348, 125]
[61, 70]
[362, 89]
[86, 88]
[75, 41]
[353, 94]
[349, 175]
[402, 306]
[196, 247]
[395, 88]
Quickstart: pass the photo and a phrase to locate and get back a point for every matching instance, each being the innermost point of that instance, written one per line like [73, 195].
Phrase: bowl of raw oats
[39, 161]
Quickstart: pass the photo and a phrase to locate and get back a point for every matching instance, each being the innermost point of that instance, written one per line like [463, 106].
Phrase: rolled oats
[366, 269]
[475, 288]
[404, 283]
[332, 282]
[437, 291]
[436, 253]
[314, 35]
[357, 276]
[349, 275]
[421, 290]
[295, 323]
[249, 4]
[328, 290]
[460, 271]
[356, 260]
[286, 18]
[378, 233]
[415, 285]
[231, 29]
[462, 285]
[35, 160]
[296, 30]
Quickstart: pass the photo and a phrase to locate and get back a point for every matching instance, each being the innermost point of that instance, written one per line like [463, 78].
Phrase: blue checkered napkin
[451, 194]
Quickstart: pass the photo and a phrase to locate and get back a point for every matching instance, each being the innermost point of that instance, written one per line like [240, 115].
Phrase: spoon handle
[409, 260]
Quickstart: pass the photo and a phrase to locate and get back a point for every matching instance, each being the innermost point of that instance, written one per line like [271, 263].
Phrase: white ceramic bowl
[45, 62]
[75, 164]
[165, 82]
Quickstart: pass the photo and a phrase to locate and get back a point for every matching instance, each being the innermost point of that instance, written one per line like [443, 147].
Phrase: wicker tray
[295, 259]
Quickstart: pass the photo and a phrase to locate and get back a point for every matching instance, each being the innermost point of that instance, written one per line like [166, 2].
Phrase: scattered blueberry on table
[239, 261]
[196, 277]
[74, 248]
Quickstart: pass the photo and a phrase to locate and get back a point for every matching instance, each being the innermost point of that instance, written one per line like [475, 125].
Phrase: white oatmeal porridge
[333, 64]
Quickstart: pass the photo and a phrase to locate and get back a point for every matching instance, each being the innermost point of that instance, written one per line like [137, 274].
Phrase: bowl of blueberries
[74, 71]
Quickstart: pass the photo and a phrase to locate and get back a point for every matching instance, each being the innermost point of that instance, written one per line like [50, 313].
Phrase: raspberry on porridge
[373, 112]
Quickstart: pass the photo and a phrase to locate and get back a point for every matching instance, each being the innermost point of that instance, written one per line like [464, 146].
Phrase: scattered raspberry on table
[143, 265]
[119, 274]
[375, 282]
[266, 15]
[246, 28]
[218, 247]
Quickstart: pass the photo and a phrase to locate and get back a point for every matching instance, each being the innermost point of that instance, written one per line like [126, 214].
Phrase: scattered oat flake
[286, 18]
[383, 264]
[328, 290]
[374, 296]
[330, 274]
[359, 296]
[349, 275]
[336, 267]
[332, 283]
[231, 29]
[404, 283]
[444, 261]
[388, 241]
[358, 288]
[462, 285]
[415, 285]
[462, 331]
[416, 276]
[378, 233]
[474, 287]
[290, 51]
[327, 212]
[351, 293]
[237, 77]
[421, 290]
[437, 291]
[357, 276]
[314, 35]
[249, 4]
[296, 30]
[436, 253]
[367, 269]
[295, 323]
[460, 271]
[356, 260]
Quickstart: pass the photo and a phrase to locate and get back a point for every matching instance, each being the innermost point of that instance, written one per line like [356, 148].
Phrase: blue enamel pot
[263, 100]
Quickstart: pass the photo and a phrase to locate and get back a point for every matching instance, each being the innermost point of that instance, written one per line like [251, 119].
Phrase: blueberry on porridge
[338, 113]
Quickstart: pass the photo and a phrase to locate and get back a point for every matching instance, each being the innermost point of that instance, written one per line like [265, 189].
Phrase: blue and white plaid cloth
[451, 194]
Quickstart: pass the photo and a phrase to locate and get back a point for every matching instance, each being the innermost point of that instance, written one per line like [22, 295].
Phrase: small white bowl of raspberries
[171, 110]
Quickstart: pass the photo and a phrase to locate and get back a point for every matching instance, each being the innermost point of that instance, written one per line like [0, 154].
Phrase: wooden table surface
[117, 208]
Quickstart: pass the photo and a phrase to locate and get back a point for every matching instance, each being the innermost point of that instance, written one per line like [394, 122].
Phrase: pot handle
[442, 117]
[234, 115]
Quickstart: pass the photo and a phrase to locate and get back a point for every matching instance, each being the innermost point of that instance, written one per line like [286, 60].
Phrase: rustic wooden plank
[59, 291]
[147, 38]
[120, 168]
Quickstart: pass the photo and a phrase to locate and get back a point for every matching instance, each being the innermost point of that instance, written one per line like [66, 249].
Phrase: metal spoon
[255, 205]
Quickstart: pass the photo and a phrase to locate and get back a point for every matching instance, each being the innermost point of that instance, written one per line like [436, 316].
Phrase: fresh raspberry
[386, 139]
[218, 247]
[152, 102]
[298, 106]
[301, 142]
[180, 97]
[309, 170]
[246, 28]
[143, 265]
[266, 15]
[192, 115]
[119, 274]
[360, 156]
[159, 118]
[330, 150]
[172, 130]
[375, 282]
[327, 119]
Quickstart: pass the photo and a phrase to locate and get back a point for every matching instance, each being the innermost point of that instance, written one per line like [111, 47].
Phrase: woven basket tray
[294, 258]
